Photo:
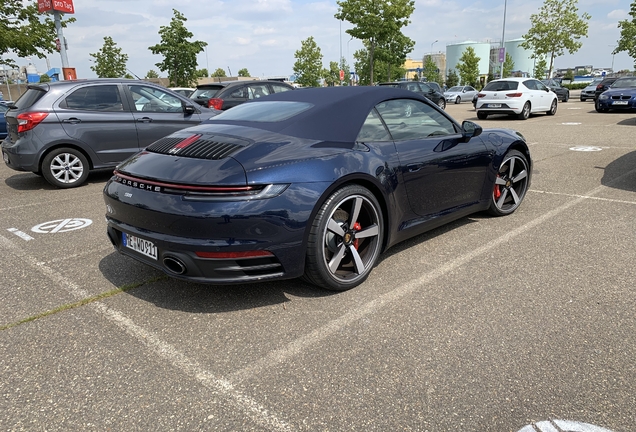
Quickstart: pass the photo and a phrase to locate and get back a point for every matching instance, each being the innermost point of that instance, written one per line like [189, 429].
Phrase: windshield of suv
[31, 96]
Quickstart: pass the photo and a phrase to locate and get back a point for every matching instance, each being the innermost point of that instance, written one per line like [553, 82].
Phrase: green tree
[393, 51]
[555, 29]
[202, 73]
[332, 75]
[180, 55]
[627, 41]
[344, 66]
[308, 66]
[219, 73]
[44, 78]
[243, 72]
[540, 67]
[362, 67]
[110, 62]
[468, 67]
[376, 22]
[430, 71]
[508, 66]
[152, 74]
[452, 79]
[25, 32]
[569, 75]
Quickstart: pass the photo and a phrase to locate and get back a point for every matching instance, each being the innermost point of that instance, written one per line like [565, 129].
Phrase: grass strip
[82, 302]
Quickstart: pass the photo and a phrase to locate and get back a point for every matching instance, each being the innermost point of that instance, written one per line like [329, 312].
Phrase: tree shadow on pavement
[621, 173]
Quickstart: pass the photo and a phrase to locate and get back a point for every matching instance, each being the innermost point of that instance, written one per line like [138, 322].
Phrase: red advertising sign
[64, 6]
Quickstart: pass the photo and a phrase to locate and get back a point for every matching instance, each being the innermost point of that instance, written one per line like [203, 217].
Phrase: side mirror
[188, 109]
[470, 130]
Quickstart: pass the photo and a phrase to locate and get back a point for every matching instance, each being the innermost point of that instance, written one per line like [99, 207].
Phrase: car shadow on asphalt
[28, 181]
[174, 294]
[627, 122]
[620, 167]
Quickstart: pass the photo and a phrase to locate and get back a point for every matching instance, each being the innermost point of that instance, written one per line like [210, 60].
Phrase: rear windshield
[501, 86]
[207, 92]
[266, 112]
[31, 96]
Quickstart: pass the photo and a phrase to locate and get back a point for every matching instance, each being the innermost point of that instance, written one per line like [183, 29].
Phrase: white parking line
[23, 236]
[583, 196]
[256, 412]
[308, 341]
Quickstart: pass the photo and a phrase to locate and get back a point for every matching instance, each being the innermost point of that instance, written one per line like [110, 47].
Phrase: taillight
[29, 120]
[514, 94]
[481, 95]
[215, 103]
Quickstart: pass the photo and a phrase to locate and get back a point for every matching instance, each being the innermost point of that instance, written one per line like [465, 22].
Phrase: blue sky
[262, 35]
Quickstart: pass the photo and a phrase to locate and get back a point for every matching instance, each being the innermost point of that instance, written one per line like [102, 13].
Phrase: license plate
[619, 103]
[140, 245]
[494, 105]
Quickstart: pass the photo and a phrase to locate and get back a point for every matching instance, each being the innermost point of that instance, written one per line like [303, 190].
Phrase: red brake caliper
[497, 191]
[357, 227]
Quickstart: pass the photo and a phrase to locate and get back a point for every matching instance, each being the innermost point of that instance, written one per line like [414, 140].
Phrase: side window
[256, 91]
[94, 98]
[279, 88]
[531, 84]
[409, 119]
[413, 87]
[239, 93]
[540, 86]
[151, 99]
[425, 87]
[373, 129]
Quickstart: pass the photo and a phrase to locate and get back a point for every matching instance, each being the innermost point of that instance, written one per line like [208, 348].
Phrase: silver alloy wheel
[67, 168]
[408, 110]
[525, 111]
[553, 107]
[351, 239]
[441, 103]
[511, 183]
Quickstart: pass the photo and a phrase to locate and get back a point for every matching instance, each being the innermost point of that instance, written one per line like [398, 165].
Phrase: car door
[440, 171]
[536, 97]
[469, 93]
[233, 95]
[158, 113]
[96, 117]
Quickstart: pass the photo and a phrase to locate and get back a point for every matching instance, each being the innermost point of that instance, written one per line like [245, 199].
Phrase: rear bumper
[179, 229]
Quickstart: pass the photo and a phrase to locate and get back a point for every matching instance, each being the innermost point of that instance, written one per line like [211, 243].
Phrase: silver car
[588, 92]
[460, 94]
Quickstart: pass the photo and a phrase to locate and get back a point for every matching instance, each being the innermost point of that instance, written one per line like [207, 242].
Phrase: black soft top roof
[337, 113]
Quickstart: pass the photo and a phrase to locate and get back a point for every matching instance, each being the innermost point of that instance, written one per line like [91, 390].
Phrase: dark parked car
[315, 182]
[3, 123]
[563, 94]
[435, 86]
[420, 88]
[225, 95]
[63, 129]
[621, 96]
[602, 86]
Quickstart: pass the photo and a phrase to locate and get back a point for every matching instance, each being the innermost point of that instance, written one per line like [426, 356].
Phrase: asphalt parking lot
[487, 324]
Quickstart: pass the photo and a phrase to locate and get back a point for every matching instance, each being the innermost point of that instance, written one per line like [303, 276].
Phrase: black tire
[441, 103]
[338, 256]
[583, 99]
[458, 99]
[566, 97]
[65, 168]
[482, 115]
[598, 108]
[553, 108]
[525, 112]
[511, 184]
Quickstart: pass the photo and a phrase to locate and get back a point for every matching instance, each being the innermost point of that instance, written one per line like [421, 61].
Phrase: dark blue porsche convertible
[313, 183]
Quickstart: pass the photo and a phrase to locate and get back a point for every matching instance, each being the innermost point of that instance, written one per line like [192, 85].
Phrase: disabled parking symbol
[61, 225]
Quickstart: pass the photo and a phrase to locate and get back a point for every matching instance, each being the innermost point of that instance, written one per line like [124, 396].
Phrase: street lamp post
[613, 54]
[503, 36]
[432, 45]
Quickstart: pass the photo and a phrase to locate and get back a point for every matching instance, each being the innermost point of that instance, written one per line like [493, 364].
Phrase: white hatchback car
[515, 96]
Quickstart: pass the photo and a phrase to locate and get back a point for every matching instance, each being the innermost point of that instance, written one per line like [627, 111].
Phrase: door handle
[72, 120]
[414, 167]
[144, 120]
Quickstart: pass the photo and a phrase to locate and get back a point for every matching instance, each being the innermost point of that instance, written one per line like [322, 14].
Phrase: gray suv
[61, 130]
